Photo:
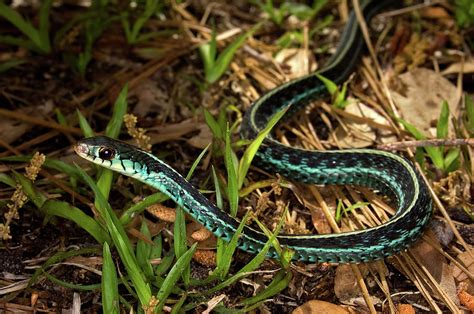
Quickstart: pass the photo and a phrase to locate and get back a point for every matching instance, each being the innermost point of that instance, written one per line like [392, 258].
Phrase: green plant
[132, 31]
[464, 12]
[338, 95]
[92, 24]
[297, 36]
[302, 11]
[148, 286]
[446, 160]
[215, 65]
[468, 116]
[10, 64]
[38, 38]
[341, 210]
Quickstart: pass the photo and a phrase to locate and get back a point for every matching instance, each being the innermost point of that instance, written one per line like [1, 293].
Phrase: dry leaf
[297, 60]
[152, 99]
[345, 282]
[361, 134]
[419, 94]
[436, 265]
[466, 259]
[203, 138]
[319, 307]
[465, 67]
[212, 303]
[12, 130]
[169, 131]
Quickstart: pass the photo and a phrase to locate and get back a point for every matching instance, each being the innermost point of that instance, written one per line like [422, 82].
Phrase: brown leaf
[319, 307]
[466, 259]
[345, 282]
[405, 309]
[460, 67]
[436, 265]
[203, 138]
[297, 61]
[419, 94]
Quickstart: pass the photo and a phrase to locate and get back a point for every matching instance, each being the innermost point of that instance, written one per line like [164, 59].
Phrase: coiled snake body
[389, 173]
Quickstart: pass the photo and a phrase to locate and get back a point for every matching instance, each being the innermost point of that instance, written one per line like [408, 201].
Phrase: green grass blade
[113, 130]
[215, 128]
[330, 85]
[443, 121]
[150, 9]
[180, 243]
[253, 264]
[226, 259]
[435, 154]
[196, 162]
[10, 64]
[71, 285]
[136, 209]
[166, 263]
[120, 108]
[120, 240]
[173, 276]
[230, 164]
[279, 282]
[469, 117]
[177, 307]
[6, 179]
[252, 149]
[67, 211]
[225, 57]
[452, 161]
[17, 20]
[144, 251]
[208, 54]
[43, 31]
[109, 285]
[84, 125]
[49, 163]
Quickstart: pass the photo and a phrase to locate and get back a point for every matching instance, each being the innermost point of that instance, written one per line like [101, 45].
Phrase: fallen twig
[434, 142]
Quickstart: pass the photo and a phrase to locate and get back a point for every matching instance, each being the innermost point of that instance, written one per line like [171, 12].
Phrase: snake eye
[106, 153]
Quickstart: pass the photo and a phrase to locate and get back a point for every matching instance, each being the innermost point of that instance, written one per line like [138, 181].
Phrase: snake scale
[386, 172]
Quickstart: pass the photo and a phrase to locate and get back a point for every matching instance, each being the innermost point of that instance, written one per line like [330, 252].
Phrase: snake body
[388, 173]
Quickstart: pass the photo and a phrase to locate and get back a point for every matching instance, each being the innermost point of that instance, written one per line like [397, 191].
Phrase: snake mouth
[81, 149]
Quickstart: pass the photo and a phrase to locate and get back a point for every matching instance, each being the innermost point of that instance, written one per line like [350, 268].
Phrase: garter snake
[386, 172]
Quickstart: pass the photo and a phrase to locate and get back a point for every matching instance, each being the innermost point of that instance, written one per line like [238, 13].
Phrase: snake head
[97, 149]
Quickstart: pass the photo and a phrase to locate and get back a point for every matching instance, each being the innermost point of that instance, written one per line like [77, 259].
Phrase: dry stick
[39, 139]
[382, 283]
[41, 122]
[355, 267]
[410, 271]
[458, 264]
[422, 143]
[364, 30]
[431, 281]
[64, 187]
[438, 203]
[9, 147]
